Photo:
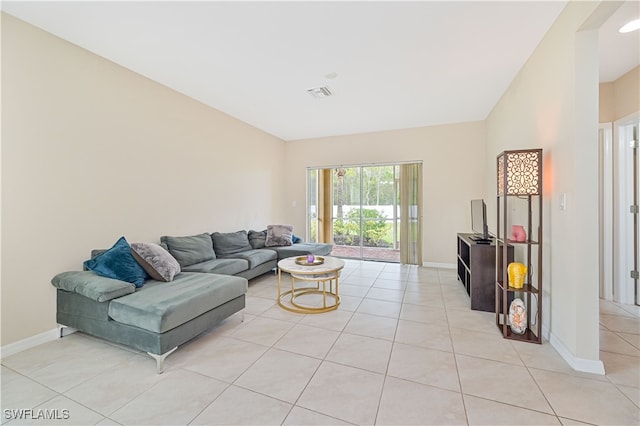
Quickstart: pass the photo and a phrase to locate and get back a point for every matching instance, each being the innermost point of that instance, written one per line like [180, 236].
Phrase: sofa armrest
[91, 285]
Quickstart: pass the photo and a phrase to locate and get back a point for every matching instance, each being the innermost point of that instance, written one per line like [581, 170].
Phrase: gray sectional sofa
[169, 294]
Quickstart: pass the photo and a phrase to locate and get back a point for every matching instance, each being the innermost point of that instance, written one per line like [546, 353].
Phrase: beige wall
[626, 91]
[92, 151]
[553, 104]
[606, 103]
[453, 173]
[621, 97]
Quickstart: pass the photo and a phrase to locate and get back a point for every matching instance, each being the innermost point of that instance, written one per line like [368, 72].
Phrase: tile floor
[404, 348]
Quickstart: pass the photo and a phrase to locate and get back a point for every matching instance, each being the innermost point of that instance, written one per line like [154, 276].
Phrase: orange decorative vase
[517, 272]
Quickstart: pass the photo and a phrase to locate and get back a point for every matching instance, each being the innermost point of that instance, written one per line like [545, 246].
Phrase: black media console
[477, 270]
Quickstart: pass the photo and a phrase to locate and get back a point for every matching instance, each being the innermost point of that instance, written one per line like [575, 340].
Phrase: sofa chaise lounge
[189, 284]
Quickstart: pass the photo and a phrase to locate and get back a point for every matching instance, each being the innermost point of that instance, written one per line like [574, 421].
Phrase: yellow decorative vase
[517, 272]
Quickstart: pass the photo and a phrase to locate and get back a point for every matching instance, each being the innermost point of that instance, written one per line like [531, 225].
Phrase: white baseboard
[546, 333]
[579, 364]
[439, 265]
[33, 341]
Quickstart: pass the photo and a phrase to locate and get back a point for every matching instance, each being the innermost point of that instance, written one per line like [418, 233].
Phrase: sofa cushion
[256, 257]
[302, 249]
[190, 250]
[278, 235]
[219, 266]
[88, 284]
[226, 243]
[257, 238]
[159, 307]
[158, 263]
[118, 263]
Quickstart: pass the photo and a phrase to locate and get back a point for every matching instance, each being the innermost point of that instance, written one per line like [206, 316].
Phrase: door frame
[606, 232]
[623, 189]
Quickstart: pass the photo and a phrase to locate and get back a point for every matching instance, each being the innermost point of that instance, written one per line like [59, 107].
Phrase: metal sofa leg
[160, 359]
[65, 331]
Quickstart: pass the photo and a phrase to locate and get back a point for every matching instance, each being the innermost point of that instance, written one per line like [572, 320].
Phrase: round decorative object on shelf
[518, 316]
[517, 272]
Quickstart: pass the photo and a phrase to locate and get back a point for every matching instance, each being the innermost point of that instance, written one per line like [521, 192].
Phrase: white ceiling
[398, 64]
[619, 53]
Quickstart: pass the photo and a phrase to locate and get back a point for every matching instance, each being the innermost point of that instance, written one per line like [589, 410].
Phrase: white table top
[330, 264]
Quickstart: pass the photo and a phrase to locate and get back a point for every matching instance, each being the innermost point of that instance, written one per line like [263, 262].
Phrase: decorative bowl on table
[309, 260]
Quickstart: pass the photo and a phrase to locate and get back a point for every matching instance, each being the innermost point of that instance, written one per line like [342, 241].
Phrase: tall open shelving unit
[519, 202]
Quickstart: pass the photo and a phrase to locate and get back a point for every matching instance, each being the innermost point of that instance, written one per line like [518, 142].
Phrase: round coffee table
[324, 274]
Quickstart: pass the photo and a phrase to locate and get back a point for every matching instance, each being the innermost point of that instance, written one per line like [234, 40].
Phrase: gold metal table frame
[324, 275]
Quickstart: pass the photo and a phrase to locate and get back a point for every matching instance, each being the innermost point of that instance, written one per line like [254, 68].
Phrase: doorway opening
[619, 224]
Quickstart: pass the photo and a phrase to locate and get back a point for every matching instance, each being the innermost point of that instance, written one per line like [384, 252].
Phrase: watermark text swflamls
[35, 414]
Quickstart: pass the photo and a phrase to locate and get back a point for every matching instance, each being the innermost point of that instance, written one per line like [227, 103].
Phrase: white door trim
[623, 291]
[605, 140]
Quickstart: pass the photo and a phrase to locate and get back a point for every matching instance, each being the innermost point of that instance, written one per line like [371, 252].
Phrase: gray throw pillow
[226, 243]
[257, 238]
[190, 250]
[158, 263]
[279, 235]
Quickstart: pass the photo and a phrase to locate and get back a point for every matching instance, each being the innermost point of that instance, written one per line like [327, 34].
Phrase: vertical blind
[411, 213]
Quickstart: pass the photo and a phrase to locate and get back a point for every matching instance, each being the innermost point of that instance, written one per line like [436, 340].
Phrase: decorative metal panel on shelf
[519, 172]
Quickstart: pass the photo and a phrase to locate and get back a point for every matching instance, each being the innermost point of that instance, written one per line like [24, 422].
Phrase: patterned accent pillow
[279, 235]
[118, 263]
[158, 263]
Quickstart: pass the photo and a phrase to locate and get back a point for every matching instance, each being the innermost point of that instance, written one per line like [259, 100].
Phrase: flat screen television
[479, 222]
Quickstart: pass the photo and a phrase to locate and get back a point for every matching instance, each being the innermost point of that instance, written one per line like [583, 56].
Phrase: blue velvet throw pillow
[118, 263]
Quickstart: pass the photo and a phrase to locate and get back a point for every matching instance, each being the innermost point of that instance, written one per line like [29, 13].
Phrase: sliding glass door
[365, 212]
[358, 209]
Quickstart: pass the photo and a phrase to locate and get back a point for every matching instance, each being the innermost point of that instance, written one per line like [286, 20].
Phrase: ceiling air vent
[320, 92]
